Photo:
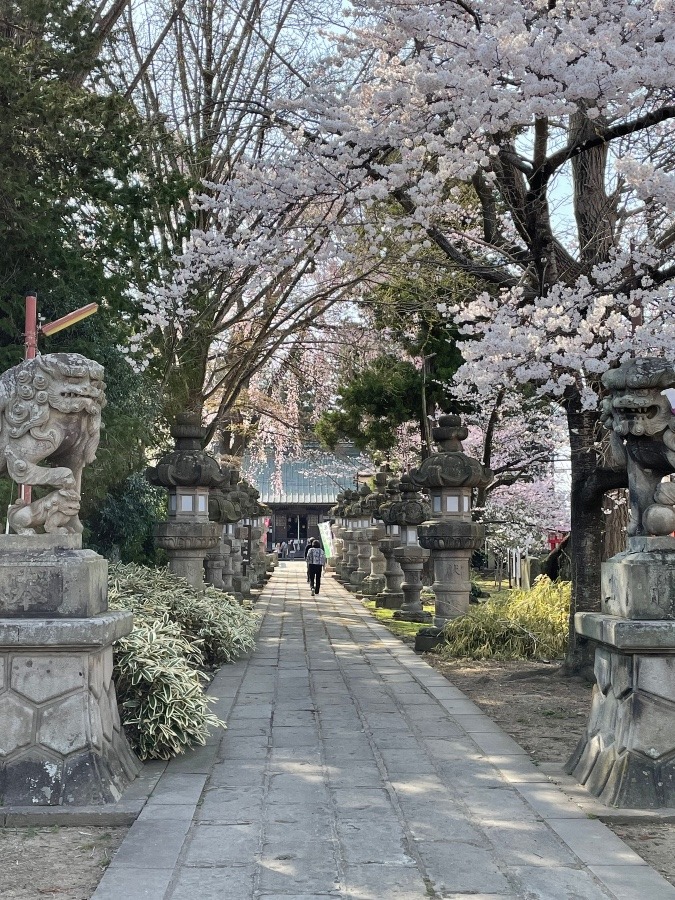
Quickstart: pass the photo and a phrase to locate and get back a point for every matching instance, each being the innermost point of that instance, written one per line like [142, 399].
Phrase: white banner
[327, 539]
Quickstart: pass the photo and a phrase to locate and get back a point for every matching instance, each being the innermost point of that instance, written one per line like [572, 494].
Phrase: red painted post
[30, 338]
[31, 325]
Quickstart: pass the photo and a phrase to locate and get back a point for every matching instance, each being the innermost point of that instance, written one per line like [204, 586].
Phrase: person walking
[284, 550]
[307, 549]
[316, 561]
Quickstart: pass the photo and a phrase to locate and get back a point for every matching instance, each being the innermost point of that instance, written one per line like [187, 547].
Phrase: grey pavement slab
[351, 769]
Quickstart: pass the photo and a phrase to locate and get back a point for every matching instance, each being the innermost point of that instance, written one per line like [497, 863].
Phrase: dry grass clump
[525, 625]
[159, 667]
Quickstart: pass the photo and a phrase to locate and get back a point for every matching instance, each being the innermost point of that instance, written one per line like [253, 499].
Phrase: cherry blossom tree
[530, 143]
[246, 271]
[558, 119]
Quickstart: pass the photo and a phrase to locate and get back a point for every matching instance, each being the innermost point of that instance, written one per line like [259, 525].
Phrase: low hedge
[160, 668]
[525, 625]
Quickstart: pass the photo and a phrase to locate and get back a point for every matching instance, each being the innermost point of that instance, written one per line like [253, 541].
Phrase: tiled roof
[312, 481]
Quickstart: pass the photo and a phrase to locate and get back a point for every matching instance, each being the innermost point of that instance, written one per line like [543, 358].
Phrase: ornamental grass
[525, 625]
[160, 668]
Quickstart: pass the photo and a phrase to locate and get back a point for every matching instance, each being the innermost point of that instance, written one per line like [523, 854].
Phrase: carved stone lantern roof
[450, 467]
[409, 509]
[225, 502]
[187, 465]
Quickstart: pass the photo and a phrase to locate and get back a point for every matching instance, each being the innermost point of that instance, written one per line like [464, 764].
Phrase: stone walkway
[351, 769]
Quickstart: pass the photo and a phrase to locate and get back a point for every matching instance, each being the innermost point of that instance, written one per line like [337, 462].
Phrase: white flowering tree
[557, 117]
[530, 142]
[247, 269]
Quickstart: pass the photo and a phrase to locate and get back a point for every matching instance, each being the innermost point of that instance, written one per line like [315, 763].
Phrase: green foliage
[385, 394]
[162, 703]
[523, 625]
[407, 384]
[178, 632]
[122, 525]
[80, 196]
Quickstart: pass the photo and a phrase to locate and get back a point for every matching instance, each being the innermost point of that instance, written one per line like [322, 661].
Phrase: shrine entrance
[296, 528]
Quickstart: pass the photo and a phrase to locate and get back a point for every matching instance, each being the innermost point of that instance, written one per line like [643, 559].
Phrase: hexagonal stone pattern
[16, 724]
[656, 675]
[42, 678]
[63, 726]
[96, 674]
[654, 726]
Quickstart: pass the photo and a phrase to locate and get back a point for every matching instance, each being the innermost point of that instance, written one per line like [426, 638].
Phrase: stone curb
[163, 821]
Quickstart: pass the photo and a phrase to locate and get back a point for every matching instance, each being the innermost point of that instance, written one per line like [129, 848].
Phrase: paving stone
[406, 762]
[530, 844]
[228, 774]
[360, 774]
[373, 840]
[119, 882]
[221, 845]
[157, 836]
[227, 806]
[197, 761]
[306, 868]
[455, 866]
[223, 883]
[392, 882]
[540, 883]
[178, 787]
[634, 882]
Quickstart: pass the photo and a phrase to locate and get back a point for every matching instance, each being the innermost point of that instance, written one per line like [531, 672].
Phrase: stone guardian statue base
[61, 742]
[627, 756]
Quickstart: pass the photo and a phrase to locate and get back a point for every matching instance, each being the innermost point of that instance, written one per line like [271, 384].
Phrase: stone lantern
[224, 508]
[374, 582]
[351, 519]
[407, 513]
[449, 477]
[337, 514]
[362, 522]
[188, 473]
[391, 597]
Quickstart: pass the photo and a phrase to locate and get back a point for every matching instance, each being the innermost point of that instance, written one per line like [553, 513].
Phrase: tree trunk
[587, 533]
[615, 505]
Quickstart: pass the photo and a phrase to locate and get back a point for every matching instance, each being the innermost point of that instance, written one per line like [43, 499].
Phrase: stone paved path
[351, 769]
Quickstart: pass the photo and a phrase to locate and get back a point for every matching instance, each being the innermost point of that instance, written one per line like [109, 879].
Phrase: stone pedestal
[411, 559]
[626, 758]
[363, 560]
[452, 545]
[374, 582]
[392, 595]
[213, 565]
[351, 562]
[232, 566]
[61, 741]
[187, 543]
[240, 582]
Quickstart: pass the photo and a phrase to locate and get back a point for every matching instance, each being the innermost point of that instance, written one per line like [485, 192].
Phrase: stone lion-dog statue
[50, 409]
[638, 413]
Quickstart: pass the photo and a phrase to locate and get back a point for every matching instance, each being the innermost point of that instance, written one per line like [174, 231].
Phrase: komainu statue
[640, 417]
[50, 409]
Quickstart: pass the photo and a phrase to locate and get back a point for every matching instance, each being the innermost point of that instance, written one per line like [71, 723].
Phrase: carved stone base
[389, 600]
[627, 755]
[428, 638]
[61, 742]
[50, 575]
